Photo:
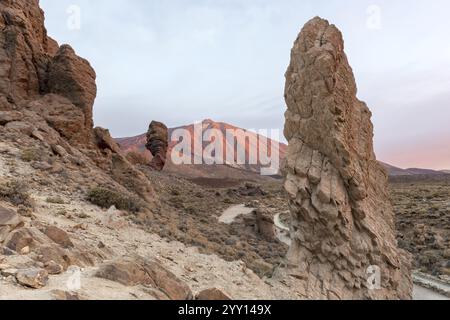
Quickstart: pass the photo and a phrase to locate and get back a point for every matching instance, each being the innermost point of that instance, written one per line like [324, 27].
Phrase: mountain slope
[247, 141]
[137, 144]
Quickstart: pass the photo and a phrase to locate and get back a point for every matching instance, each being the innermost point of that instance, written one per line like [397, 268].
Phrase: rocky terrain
[73, 208]
[422, 216]
[85, 217]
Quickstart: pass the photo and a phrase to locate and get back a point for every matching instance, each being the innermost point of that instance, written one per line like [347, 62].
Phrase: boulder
[33, 278]
[59, 236]
[212, 294]
[133, 272]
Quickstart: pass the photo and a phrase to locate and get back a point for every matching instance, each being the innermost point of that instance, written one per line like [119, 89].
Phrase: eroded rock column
[342, 221]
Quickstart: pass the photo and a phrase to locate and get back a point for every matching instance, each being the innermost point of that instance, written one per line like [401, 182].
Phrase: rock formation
[342, 221]
[157, 144]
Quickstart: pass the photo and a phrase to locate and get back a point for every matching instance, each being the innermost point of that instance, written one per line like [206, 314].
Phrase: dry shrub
[16, 192]
[137, 158]
[30, 155]
[106, 198]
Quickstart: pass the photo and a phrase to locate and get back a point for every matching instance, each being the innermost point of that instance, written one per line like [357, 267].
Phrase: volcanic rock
[342, 221]
[131, 272]
[32, 278]
[157, 144]
[213, 294]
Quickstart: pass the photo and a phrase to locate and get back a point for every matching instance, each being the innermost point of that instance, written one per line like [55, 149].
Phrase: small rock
[9, 272]
[53, 268]
[59, 236]
[25, 250]
[32, 278]
[213, 294]
[81, 226]
[65, 296]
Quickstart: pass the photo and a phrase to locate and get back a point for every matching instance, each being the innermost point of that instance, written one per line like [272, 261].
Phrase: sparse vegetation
[55, 200]
[106, 198]
[16, 192]
[29, 155]
[137, 158]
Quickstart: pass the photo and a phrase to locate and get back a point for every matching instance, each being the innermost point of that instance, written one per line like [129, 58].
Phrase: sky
[181, 61]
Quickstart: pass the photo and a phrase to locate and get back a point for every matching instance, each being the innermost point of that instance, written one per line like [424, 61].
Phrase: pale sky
[180, 61]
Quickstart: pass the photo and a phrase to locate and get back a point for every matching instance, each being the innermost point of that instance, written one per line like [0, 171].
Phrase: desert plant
[16, 192]
[29, 155]
[55, 200]
[106, 198]
[137, 158]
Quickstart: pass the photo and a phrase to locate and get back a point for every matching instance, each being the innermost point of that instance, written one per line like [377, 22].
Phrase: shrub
[16, 192]
[137, 158]
[29, 155]
[55, 200]
[106, 198]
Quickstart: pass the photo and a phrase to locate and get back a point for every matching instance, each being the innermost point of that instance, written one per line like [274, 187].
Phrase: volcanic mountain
[247, 141]
[136, 145]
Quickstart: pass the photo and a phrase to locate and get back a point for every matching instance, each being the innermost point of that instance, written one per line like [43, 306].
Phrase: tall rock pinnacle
[343, 232]
[158, 144]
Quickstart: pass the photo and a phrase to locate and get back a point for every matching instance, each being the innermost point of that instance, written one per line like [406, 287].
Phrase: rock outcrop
[157, 144]
[343, 233]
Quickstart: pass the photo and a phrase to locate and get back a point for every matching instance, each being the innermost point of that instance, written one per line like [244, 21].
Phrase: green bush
[106, 198]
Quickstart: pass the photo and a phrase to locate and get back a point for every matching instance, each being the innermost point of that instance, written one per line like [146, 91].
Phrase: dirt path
[233, 212]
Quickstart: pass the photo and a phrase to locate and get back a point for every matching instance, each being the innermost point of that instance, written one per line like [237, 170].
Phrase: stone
[105, 141]
[53, 268]
[59, 236]
[60, 295]
[133, 272]
[213, 294]
[9, 218]
[9, 116]
[9, 272]
[342, 219]
[19, 239]
[33, 278]
[157, 144]
[25, 250]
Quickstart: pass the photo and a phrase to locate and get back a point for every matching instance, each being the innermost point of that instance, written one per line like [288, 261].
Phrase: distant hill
[396, 172]
[233, 171]
[137, 144]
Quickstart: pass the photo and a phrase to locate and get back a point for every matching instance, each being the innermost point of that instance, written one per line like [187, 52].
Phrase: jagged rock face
[73, 77]
[25, 49]
[157, 144]
[342, 219]
[33, 65]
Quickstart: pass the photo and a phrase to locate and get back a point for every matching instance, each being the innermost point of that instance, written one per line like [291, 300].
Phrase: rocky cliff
[343, 233]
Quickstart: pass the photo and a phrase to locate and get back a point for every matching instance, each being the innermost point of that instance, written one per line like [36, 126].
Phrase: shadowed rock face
[33, 65]
[157, 144]
[342, 219]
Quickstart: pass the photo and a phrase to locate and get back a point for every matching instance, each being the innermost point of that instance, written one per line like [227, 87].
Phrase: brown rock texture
[212, 294]
[342, 219]
[33, 65]
[133, 272]
[157, 144]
